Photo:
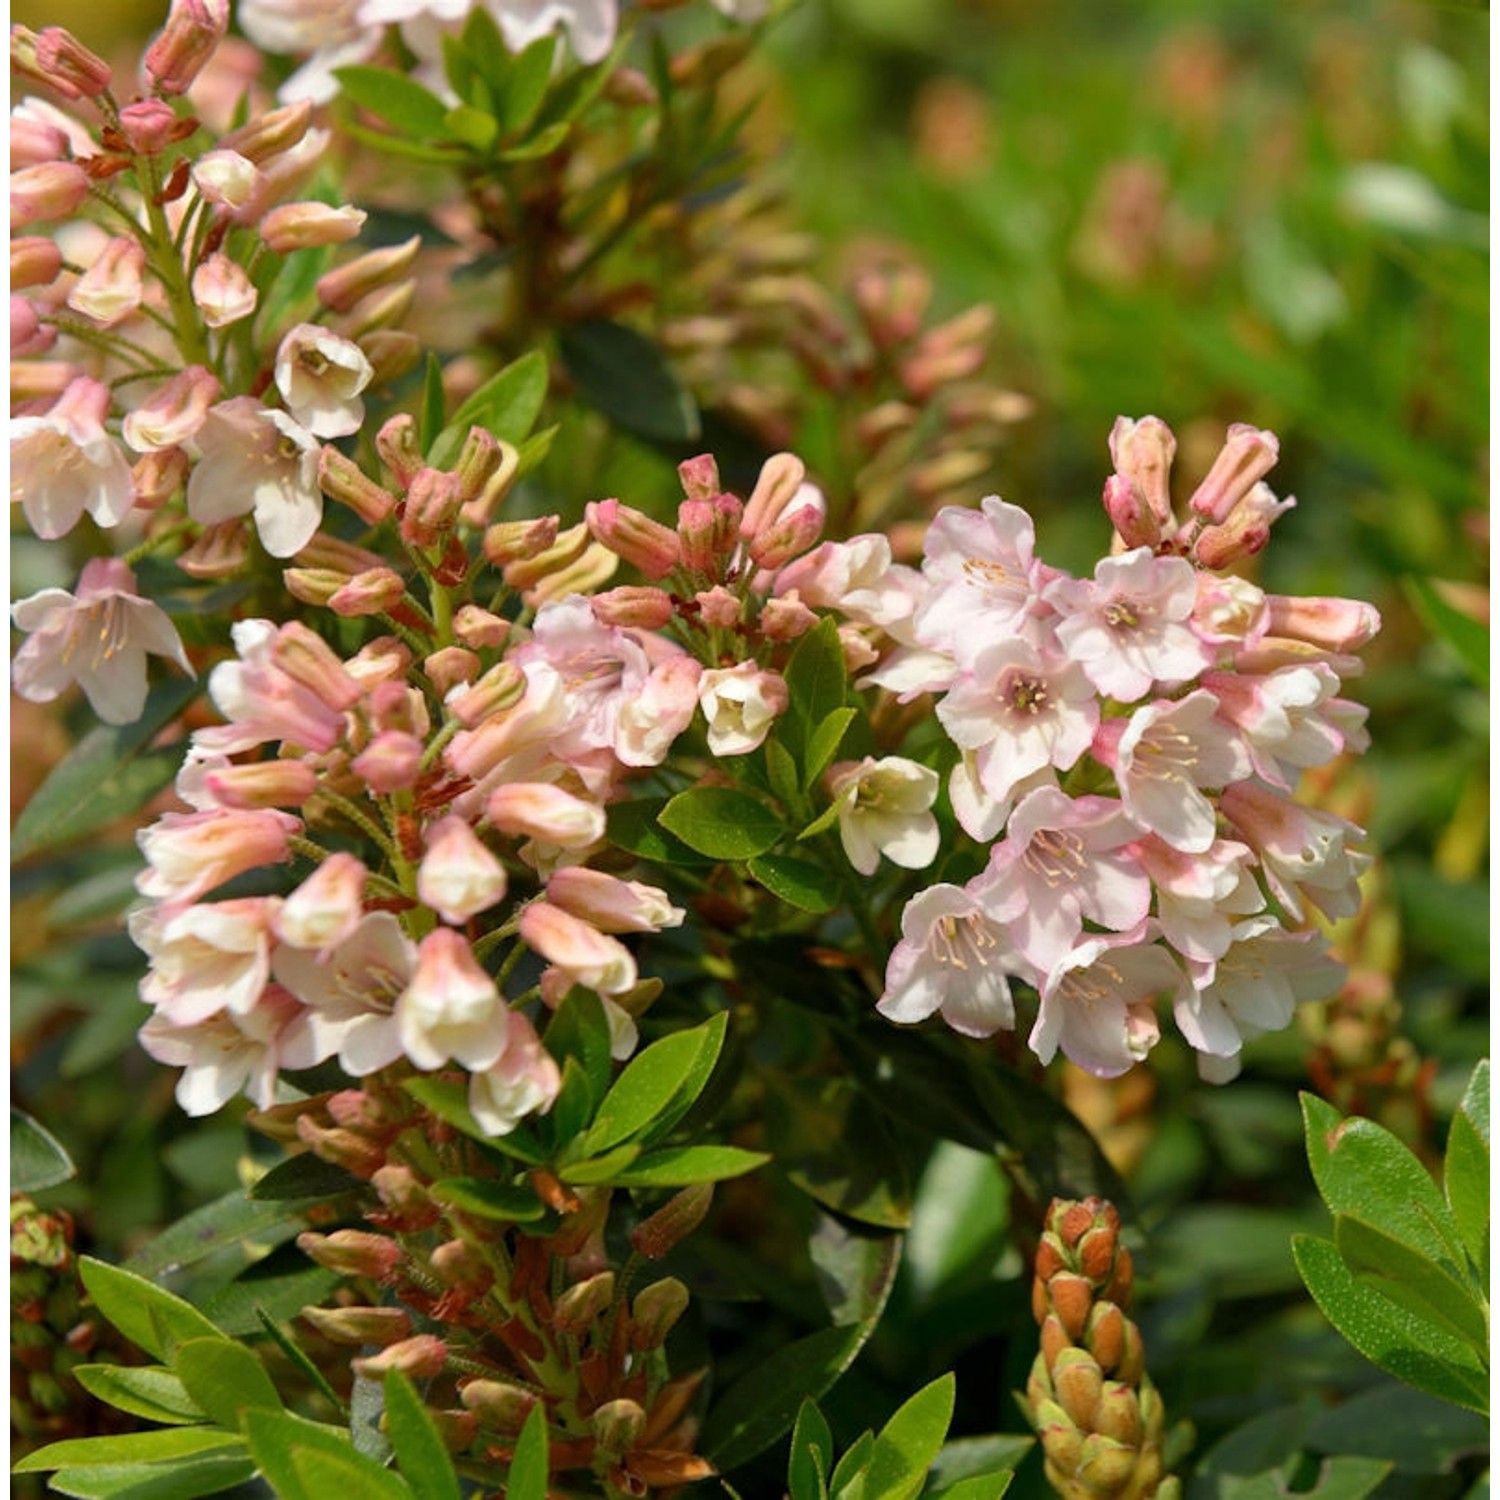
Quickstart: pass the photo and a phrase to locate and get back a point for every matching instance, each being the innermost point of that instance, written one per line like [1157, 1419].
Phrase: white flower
[208, 958]
[740, 703]
[522, 1081]
[458, 876]
[885, 807]
[320, 377]
[98, 638]
[451, 1008]
[65, 463]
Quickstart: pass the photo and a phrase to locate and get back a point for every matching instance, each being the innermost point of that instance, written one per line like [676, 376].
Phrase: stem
[166, 261]
[435, 749]
[366, 824]
[157, 542]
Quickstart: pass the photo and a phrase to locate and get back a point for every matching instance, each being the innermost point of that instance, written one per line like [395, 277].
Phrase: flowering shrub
[535, 859]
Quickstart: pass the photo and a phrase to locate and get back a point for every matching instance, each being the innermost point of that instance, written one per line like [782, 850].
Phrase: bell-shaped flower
[191, 853]
[458, 876]
[211, 957]
[451, 1009]
[740, 703]
[523, 1081]
[320, 376]
[611, 904]
[885, 807]
[326, 908]
[587, 956]
[65, 463]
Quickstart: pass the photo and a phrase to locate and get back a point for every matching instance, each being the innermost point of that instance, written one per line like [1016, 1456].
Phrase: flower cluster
[1127, 746]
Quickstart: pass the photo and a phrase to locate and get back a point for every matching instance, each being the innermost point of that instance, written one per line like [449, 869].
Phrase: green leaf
[544, 143]
[106, 775]
[527, 1478]
[634, 827]
[420, 1454]
[487, 1199]
[573, 1108]
[226, 1223]
[599, 1169]
[434, 403]
[225, 1379]
[1416, 1283]
[816, 680]
[848, 1477]
[856, 1267]
[782, 771]
[906, 1446]
[474, 127]
[981, 1461]
[448, 1100]
[824, 741]
[298, 1357]
[150, 1391]
[304, 1176]
[798, 882]
[177, 1479]
[37, 1159]
[822, 823]
[682, 1166]
[282, 1444]
[147, 1315]
[978, 1487]
[579, 1030]
[1362, 1169]
[722, 822]
[396, 99]
[1466, 638]
[1401, 1343]
[1466, 1169]
[659, 1086]
[623, 374]
[279, 1286]
[128, 1448]
[526, 88]
[811, 1455]
[1412, 1431]
[506, 406]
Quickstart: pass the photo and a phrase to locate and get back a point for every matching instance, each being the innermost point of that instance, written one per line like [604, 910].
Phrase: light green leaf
[150, 1391]
[579, 1030]
[984, 1461]
[146, 1314]
[526, 87]
[226, 1223]
[527, 1479]
[398, 100]
[798, 882]
[177, 1479]
[1466, 1169]
[848, 1480]
[488, 1199]
[420, 1454]
[623, 374]
[544, 143]
[811, 1456]
[782, 771]
[37, 1158]
[323, 1472]
[669, 1073]
[1467, 638]
[128, 1448]
[506, 406]
[474, 127]
[978, 1487]
[906, 1446]
[277, 1441]
[448, 1100]
[634, 826]
[823, 743]
[722, 822]
[434, 403]
[599, 1169]
[683, 1166]
[225, 1379]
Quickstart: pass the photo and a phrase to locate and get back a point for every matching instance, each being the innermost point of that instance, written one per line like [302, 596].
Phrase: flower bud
[611, 904]
[431, 508]
[222, 291]
[583, 1302]
[479, 629]
[597, 962]
[341, 479]
[69, 66]
[381, 310]
[49, 190]
[391, 762]
[498, 1404]
[776, 545]
[617, 1425]
[352, 1252]
[149, 126]
[371, 592]
[27, 335]
[306, 226]
[220, 551]
[268, 783]
[646, 544]
[227, 180]
[785, 618]
[1078, 1384]
[1132, 517]
[632, 608]
[451, 667]
[542, 811]
[308, 659]
[399, 450]
[931, 368]
[718, 608]
[501, 687]
[781, 477]
[344, 1148]
[174, 412]
[268, 135]
[421, 1357]
[458, 876]
[699, 476]
[34, 261]
[1118, 1415]
[695, 529]
[184, 45]
[341, 288]
[1247, 457]
[391, 352]
[458, 1264]
[327, 907]
[360, 1325]
[655, 1311]
[677, 1218]
[892, 302]
[889, 419]
[111, 289]
[1333, 624]
[509, 542]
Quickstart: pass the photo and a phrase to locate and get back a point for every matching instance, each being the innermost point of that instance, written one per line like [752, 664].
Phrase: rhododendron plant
[543, 848]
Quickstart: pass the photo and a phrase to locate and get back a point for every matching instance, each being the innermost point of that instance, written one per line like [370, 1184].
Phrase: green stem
[157, 542]
[366, 824]
[166, 260]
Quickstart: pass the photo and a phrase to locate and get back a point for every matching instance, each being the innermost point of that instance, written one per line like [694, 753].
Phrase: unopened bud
[381, 310]
[892, 303]
[582, 1303]
[947, 471]
[184, 45]
[371, 592]
[695, 529]
[391, 762]
[930, 369]
[341, 479]
[68, 65]
[1078, 1384]
[566, 547]
[677, 1218]
[399, 450]
[344, 1148]
[499, 688]
[391, 352]
[786, 617]
[352, 1252]
[420, 1357]
[632, 608]
[49, 190]
[1118, 1415]
[1142, 452]
[498, 1404]
[1247, 456]
[219, 551]
[630, 534]
[776, 545]
[222, 291]
[617, 1426]
[630, 88]
[271, 134]
[588, 573]
[307, 226]
[459, 1264]
[700, 477]
[360, 1325]
[479, 629]
[542, 811]
[1133, 518]
[34, 261]
[655, 1311]
[431, 509]
[346, 285]
[781, 477]
[509, 542]
[703, 66]
[889, 419]
[450, 668]
[1333, 624]
[268, 783]
[308, 659]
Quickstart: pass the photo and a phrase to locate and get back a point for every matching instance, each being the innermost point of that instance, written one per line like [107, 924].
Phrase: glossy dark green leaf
[37, 1158]
[782, 773]
[856, 1266]
[149, 1391]
[682, 1166]
[811, 1457]
[304, 1176]
[128, 1448]
[1402, 1344]
[623, 374]
[527, 1478]
[175, 1479]
[722, 822]
[108, 774]
[281, 1444]
[573, 1108]
[420, 1454]
[279, 1286]
[225, 1379]
[1466, 1169]
[448, 1100]
[487, 1199]
[147, 1315]
[906, 1446]
[393, 97]
[579, 1029]
[816, 680]
[634, 827]
[798, 882]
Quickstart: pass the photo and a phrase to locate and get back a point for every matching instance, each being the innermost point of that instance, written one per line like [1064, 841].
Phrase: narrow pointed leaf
[146, 1314]
[420, 1454]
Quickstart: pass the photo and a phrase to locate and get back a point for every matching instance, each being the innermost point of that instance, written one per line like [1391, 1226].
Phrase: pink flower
[228, 180]
[451, 1008]
[65, 463]
[263, 701]
[206, 958]
[302, 226]
[222, 291]
[320, 375]
[857, 578]
[1163, 756]
[351, 991]
[458, 876]
[191, 853]
[255, 459]
[523, 1081]
[952, 958]
[1096, 1002]
[547, 813]
[1198, 895]
[1019, 710]
[885, 807]
[1281, 716]
[586, 955]
[1063, 859]
[649, 723]
[326, 908]
[611, 904]
[1128, 627]
[740, 703]
[98, 638]
[174, 412]
[391, 762]
[184, 45]
[111, 289]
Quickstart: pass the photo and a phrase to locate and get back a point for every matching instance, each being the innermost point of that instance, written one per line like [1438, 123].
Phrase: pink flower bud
[111, 289]
[149, 126]
[858, 652]
[509, 542]
[227, 180]
[718, 608]
[781, 476]
[306, 226]
[269, 135]
[396, 442]
[1245, 533]
[35, 261]
[69, 66]
[268, 783]
[222, 291]
[450, 667]
[379, 661]
[48, 190]
[1246, 458]
[386, 308]
[390, 762]
[458, 876]
[776, 545]
[501, 687]
[369, 593]
[193, 31]
[1130, 513]
[420, 1357]
[344, 1148]
[477, 628]
[353, 1252]
[220, 551]
[786, 617]
[611, 904]
[348, 284]
[1333, 624]
[499, 1404]
[632, 608]
[392, 352]
[24, 62]
[433, 500]
[699, 476]
[892, 302]
[327, 907]
[174, 412]
[27, 333]
[341, 479]
[308, 659]
[580, 950]
[360, 1325]
[396, 705]
[565, 550]
[34, 141]
[634, 536]
[541, 811]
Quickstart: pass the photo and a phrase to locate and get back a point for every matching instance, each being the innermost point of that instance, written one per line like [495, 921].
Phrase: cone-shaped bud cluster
[1095, 1410]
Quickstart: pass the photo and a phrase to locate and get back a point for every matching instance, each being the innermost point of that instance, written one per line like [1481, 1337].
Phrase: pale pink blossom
[858, 579]
[1248, 455]
[191, 853]
[980, 815]
[1127, 628]
[514, 743]
[649, 723]
[1063, 860]
[222, 291]
[264, 783]
[1097, 1002]
[1282, 717]
[1198, 896]
[262, 701]
[523, 1081]
[304, 226]
[1303, 850]
[207, 958]
[183, 47]
[740, 704]
[1019, 710]
[112, 287]
[99, 638]
[587, 956]
[611, 904]
[391, 762]
[1334, 624]
[548, 813]
[885, 807]
[1163, 757]
[351, 992]
[46, 190]
[326, 908]
[1254, 987]
[1245, 533]
[227, 180]
[451, 1008]
[1229, 611]
[954, 959]
[458, 876]
[252, 459]
[35, 260]
[330, 30]
[28, 334]
[174, 411]
[65, 463]
[320, 376]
